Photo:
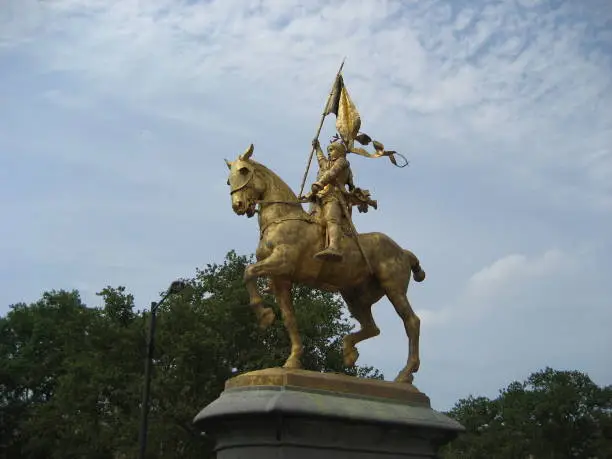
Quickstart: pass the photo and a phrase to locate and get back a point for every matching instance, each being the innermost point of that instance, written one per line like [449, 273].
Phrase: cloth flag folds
[348, 123]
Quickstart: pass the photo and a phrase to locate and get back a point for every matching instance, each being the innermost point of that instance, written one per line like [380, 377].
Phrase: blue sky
[116, 117]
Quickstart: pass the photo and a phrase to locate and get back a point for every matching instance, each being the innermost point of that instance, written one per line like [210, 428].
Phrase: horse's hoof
[266, 318]
[404, 378]
[292, 364]
[350, 357]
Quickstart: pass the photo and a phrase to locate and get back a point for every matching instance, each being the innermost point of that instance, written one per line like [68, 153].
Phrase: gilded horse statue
[289, 239]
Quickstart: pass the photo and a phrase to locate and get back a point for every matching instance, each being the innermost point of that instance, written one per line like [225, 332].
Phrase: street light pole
[175, 287]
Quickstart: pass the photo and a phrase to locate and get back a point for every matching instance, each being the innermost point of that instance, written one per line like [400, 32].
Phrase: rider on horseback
[333, 177]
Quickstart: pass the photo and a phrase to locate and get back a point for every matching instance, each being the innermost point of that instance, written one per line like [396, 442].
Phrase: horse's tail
[417, 272]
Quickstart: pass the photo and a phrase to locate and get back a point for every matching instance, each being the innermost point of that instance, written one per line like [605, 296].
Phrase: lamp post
[176, 287]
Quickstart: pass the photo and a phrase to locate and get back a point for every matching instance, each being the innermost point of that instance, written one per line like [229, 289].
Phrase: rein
[293, 203]
[304, 218]
[263, 229]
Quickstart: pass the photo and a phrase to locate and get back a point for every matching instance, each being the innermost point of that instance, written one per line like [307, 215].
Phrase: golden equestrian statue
[321, 248]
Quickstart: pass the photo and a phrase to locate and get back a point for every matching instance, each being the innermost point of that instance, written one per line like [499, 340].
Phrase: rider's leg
[332, 213]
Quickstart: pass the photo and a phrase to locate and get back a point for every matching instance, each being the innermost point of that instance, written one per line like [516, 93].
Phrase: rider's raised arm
[320, 156]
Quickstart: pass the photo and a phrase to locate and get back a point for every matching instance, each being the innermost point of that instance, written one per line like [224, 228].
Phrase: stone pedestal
[297, 414]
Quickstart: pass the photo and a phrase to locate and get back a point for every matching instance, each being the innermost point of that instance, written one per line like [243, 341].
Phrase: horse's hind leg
[360, 304]
[412, 325]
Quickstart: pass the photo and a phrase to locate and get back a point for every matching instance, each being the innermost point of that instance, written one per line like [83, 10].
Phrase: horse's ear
[229, 163]
[247, 153]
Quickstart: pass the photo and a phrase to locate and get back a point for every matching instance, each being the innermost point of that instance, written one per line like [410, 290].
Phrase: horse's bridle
[246, 182]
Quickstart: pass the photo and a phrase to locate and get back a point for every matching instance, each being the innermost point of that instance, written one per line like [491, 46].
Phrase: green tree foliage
[71, 376]
[553, 415]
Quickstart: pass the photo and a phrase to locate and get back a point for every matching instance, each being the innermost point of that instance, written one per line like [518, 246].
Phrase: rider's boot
[332, 252]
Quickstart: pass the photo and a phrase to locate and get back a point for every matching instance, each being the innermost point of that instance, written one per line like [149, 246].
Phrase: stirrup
[329, 254]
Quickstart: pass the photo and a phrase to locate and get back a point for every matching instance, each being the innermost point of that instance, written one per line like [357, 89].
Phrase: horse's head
[246, 184]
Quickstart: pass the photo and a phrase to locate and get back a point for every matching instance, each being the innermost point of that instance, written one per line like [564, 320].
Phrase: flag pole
[323, 115]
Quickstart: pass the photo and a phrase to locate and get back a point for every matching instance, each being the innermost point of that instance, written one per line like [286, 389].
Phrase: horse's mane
[276, 182]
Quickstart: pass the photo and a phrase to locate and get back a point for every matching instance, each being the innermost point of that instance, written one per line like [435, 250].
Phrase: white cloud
[495, 65]
[513, 270]
[501, 282]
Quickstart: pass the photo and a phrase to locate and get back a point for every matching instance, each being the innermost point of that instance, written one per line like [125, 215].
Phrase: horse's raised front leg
[282, 290]
[274, 265]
